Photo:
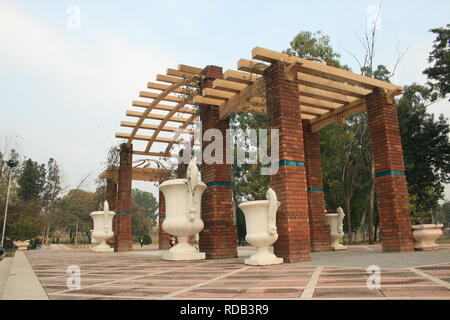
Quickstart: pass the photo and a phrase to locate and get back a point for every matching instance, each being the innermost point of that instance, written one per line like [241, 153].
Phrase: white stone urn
[260, 220]
[183, 213]
[335, 221]
[102, 228]
[425, 236]
[93, 240]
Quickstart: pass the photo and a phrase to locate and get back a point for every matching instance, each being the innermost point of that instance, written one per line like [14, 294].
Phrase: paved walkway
[22, 282]
[143, 275]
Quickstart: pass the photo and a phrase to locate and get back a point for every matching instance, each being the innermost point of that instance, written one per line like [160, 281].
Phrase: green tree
[146, 240]
[145, 203]
[439, 73]
[51, 191]
[73, 209]
[145, 207]
[426, 149]
[31, 180]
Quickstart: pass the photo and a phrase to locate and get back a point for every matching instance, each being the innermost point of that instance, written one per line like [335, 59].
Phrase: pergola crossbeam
[149, 126]
[323, 70]
[155, 116]
[164, 107]
[326, 94]
[338, 114]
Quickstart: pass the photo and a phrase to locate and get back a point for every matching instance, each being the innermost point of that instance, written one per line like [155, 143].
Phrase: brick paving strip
[127, 279]
[180, 292]
[137, 276]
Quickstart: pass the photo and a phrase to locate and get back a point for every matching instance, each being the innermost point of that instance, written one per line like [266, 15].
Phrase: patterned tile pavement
[146, 276]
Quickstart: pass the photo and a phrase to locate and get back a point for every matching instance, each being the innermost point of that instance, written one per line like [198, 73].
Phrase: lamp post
[11, 164]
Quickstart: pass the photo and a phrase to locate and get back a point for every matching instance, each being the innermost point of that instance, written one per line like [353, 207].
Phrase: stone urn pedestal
[425, 236]
[334, 220]
[260, 220]
[183, 211]
[102, 228]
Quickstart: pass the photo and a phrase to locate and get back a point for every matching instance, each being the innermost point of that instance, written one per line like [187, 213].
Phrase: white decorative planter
[183, 210]
[102, 229]
[260, 219]
[425, 236]
[334, 220]
[93, 240]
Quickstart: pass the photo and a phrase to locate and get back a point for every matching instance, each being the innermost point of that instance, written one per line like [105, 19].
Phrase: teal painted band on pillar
[315, 189]
[219, 183]
[124, 211]
[290, 163]
[390, 173]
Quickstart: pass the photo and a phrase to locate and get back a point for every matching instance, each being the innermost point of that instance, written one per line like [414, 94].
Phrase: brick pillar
[219, 237]
[164, 241]
[283, 108]
[111, 197]
[319, 231]
[390, 179]
[124, 239]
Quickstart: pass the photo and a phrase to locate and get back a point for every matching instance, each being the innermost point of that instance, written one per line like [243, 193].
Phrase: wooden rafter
[154, 116]
[353, 107]
[326, 94]
[149, 126]
[143, 104]
[323, 70]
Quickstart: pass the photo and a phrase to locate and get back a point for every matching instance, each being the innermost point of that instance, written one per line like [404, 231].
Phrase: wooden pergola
[326, 94]
[300, 96]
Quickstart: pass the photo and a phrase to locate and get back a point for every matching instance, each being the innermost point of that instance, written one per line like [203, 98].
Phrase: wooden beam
[155, 154]
[311, 111]
[165, 78]
[323, 94]
[149, 174]
[162, 87]
[121, 135]
[251, 66]
[330, 85]
[342, 112]
[177, 73]
[240, 77]
[323, 70]
[189, 69]
[318, 103]
[149, 126]
[309, 80]
[155, 116]
[152, 95]
[216, 94]
[203, 100]
[239, 101]
[226, 85]
[155, 102]
[164, 107]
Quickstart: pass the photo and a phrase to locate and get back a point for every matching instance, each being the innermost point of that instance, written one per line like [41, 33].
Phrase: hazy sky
[64, 91]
